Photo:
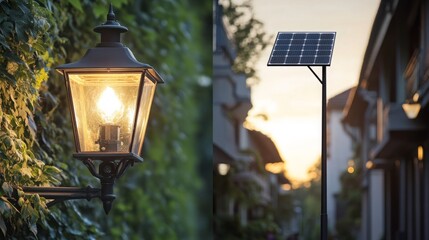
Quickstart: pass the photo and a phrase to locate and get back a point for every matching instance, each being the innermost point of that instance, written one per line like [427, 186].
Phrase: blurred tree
[245, 193]
[157, 199]
[350, 198]
[309, 198]
[248, 36]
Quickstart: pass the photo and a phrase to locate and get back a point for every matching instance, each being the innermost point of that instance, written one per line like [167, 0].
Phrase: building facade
[243, 189]
[339, 153]
[390, 143]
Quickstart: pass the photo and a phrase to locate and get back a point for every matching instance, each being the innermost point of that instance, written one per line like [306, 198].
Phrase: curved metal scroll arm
[89, 163]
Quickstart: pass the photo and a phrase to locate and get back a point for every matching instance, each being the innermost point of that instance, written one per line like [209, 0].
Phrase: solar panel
[302, 49]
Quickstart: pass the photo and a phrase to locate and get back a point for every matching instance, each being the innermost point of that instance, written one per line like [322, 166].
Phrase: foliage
[27, 37]
[248, 36]
[244, 192]
[229, 228]
[156, 200]
[350, 198]
[308, 198]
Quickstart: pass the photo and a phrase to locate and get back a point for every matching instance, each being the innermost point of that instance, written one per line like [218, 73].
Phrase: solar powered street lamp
[110, 95]
[309, 49]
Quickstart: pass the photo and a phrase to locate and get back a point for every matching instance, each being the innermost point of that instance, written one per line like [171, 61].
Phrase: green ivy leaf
[33, 228]
[7, 188]
[76, 4]
[26, 171]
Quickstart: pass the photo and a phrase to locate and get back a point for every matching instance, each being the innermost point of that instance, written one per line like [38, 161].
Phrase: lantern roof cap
[109, 59]
[111, 29]
[109, 54]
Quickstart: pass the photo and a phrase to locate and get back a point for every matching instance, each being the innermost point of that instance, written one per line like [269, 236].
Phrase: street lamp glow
[369, 165]
[411, 109]
[286, 187]
[420, 152]
[223, 168]
[109, 106]
[277, 167]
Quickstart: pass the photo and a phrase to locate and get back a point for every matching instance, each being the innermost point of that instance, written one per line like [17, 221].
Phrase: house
[339, 152]
[243, 189]
[392, 142]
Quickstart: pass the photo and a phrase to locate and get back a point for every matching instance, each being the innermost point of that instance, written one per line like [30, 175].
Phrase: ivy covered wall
[167, 196]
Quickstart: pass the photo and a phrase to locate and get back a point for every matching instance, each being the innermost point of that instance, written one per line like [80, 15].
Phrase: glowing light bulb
[109, 106]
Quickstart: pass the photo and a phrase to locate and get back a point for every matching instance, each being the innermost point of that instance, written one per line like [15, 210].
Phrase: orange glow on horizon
[307, 152]
[286, 187]
[275, 167]
[290, 97]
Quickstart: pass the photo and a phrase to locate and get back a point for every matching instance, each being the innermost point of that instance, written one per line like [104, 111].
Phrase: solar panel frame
[289, 49]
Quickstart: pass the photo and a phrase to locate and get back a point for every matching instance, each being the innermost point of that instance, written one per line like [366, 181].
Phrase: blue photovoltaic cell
[285, 36]
[310, 47]
[302, 49]
[307, 59]
[280, 53]
[283, 42]
[277, 59]
[313, 36]
[312, 41]
[291, 59]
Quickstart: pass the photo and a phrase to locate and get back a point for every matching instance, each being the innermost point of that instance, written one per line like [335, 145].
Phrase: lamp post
[110, 94]
[309, 49]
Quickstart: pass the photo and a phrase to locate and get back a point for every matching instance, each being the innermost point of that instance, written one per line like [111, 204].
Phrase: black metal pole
[59, 194]
[324, 212]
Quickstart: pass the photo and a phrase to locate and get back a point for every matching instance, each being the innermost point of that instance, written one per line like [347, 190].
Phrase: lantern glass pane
[143, 114]
[104, 107]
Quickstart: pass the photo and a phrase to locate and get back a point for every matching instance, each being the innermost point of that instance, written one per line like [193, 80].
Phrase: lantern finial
[110, 31]
[111, 15]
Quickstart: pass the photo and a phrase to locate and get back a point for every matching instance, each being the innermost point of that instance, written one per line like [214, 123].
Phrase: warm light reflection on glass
[130, 117]
[350, 170]
[420, 153]
[109, 105]
[223, 168]
[286, 187]
[307, 184]
[277, 167]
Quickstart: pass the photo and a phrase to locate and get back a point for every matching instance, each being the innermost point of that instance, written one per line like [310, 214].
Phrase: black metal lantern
[110, 95]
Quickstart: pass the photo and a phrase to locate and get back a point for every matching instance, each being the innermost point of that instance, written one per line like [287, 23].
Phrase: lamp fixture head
[110, 94]
[411, 109]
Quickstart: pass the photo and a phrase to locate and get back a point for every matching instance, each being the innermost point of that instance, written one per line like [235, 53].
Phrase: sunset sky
[291, 96]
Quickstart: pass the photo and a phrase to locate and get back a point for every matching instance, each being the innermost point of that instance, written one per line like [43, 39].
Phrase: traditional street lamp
[110, 95]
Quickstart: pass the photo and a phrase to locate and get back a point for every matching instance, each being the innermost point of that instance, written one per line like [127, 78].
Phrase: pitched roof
[266, 147]
[339, 101]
